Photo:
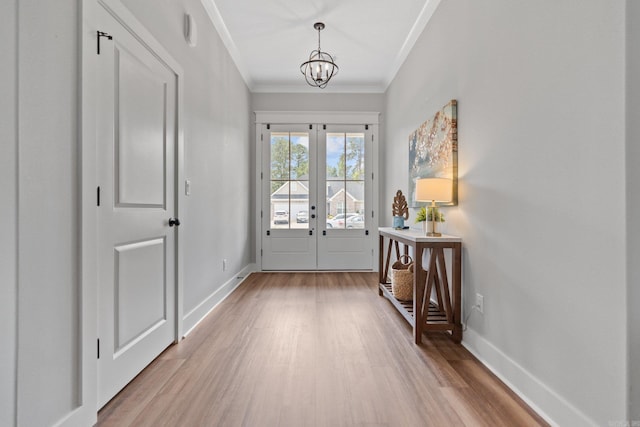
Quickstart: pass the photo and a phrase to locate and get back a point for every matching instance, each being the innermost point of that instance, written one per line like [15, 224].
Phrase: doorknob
[174, 221]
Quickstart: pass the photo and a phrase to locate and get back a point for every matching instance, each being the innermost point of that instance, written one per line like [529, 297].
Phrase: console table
[424, 314]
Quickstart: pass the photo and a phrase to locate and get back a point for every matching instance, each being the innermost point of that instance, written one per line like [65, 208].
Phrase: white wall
[9, 213]
[633, 204]
[217, 151]
[40, 174]
[48, 233]
[540, 90]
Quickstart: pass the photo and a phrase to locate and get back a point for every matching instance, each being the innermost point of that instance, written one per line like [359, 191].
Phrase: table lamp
[434, 190]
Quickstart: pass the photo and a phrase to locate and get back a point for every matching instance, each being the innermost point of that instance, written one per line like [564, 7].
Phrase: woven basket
[402, 279]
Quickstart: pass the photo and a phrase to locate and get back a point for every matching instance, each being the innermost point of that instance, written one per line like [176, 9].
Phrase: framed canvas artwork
[433, 151]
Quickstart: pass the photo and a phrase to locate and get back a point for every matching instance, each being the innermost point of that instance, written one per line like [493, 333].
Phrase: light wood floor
[313, 349]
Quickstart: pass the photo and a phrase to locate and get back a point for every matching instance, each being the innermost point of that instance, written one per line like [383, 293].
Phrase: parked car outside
[356, 221]
[338, 221]
[281, 217]
[302, 216]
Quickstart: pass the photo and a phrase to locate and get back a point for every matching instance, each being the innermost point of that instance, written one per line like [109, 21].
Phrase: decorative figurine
[400, 210]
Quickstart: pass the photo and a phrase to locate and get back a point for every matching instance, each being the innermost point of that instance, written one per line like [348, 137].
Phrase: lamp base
[429, 229]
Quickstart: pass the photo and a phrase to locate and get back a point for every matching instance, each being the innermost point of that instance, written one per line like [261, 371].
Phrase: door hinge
[98, 348]
[260, 214]
[371, 137]
[372, 214]
[261, 137]
[102, 34]
[372, 176]
[98, 196]
[260, 252]
[261, 175]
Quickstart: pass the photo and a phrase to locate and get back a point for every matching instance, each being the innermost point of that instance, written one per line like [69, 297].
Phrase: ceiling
[269, 39]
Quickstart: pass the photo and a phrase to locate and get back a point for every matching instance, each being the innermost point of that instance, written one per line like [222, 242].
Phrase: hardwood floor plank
[313, 349]
[505, 404]
[135, 397]
[462, 401]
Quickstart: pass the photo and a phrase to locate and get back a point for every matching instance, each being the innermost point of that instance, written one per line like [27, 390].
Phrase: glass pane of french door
[289, 188]
[345, 175]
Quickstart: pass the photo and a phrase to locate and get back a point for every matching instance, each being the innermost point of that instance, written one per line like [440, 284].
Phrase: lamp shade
[434, 189]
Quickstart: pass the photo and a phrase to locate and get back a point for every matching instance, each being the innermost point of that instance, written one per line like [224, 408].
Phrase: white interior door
[344, 186]
[136, 138]
[288, 187]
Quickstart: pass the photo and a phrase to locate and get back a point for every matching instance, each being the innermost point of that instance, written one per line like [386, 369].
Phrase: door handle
[174, 221]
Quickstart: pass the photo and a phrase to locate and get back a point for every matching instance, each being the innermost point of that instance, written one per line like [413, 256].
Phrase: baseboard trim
[195, 316]
[551, 406]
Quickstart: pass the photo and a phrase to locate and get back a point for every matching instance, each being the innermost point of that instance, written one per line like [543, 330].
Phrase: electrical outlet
[224, 265]
[480, 303]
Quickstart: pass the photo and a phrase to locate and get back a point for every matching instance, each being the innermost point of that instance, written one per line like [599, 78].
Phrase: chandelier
[320, 67]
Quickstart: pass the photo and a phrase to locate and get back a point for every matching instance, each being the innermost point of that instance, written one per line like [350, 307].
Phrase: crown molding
[218, 23]
[418, 27]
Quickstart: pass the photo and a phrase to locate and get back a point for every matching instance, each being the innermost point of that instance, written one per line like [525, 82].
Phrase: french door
[289, 211]
[344, 190]
[317, 210]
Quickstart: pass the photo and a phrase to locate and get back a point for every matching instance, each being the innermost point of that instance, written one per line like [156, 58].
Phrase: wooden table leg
[457, 292]
[438, 289]
[386, 265]
[444, 283]
[430, 281]
[419, 278]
